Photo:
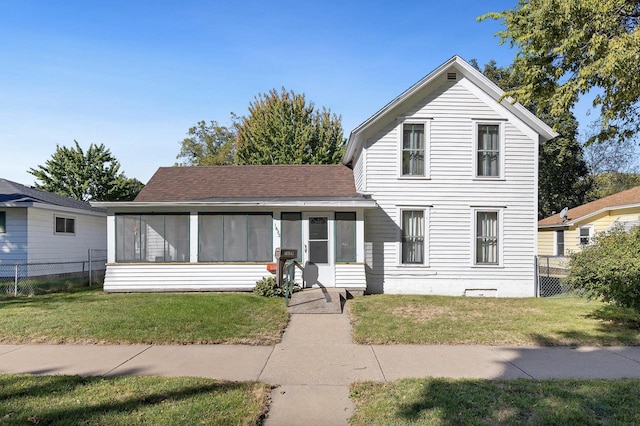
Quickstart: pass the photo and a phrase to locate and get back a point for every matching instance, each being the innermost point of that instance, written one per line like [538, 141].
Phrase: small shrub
[609, 270]
[267, 287]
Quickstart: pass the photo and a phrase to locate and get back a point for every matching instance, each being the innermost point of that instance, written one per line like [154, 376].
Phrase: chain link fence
[27, 279]
[551, 276]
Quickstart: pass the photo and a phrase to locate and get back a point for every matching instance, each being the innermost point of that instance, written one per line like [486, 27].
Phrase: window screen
[152, 238]
[291, 232]
[3, 222]
[345, 237]
[235, 237]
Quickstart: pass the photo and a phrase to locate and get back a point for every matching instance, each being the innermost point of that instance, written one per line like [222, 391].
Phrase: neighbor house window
[65, 225]
[585, 233]
[152, 238]
[486, 236]
[235, 237]
[413, 149]
[488, 150]
[560, 242]
[291, 232]
[345, 237]
[3, 222]
[413, 237]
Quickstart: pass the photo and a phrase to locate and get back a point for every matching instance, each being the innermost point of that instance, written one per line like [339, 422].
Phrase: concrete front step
[318, 301]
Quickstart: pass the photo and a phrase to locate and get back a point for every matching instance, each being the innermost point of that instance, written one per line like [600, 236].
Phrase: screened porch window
[235, 237]
[152, 238]
[488, 150]
[413, 237]
[345, 237]
[486, 238]
[413, 149]
[291, 232]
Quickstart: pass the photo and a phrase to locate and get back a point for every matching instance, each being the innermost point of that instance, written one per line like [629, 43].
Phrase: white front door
[317, 250]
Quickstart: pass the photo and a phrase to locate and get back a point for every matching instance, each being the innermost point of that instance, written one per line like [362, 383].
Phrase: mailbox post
[282, 256]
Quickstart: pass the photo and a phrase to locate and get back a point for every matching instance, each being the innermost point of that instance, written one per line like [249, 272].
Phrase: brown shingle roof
[624, 198]
[249, 182]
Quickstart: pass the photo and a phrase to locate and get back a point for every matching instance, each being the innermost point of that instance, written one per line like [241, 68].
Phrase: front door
[318, 250]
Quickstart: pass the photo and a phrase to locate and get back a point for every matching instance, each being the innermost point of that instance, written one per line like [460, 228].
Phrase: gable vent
[452, 76]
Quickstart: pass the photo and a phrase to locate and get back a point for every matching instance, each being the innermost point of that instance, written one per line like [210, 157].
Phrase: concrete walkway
[316, 361]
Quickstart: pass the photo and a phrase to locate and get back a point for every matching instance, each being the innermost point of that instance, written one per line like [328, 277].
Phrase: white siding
[359, 172]
[45, 245]
[13, 242]
[351, 276]
[450, 194]
[183, 277]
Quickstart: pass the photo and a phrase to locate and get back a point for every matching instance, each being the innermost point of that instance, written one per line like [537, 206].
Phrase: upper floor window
[488, 155]
[3, 222]
[65, 225]
[413, 149]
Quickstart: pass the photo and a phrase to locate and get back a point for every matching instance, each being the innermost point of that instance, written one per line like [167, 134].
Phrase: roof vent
[452, 76]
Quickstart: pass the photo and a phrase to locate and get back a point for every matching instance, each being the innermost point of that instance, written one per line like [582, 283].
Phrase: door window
[319, 239]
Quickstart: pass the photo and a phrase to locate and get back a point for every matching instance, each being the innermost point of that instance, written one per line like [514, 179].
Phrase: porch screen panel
[291, 232]
[210, 247]
[152, 238]
[259, 238]
[235, 237]
[127, 238]
[176, 236]
[345, 237]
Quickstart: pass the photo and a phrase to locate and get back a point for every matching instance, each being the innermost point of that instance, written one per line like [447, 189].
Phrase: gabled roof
[216, 183]
[458, 64]
[12, 193]
[628, 198]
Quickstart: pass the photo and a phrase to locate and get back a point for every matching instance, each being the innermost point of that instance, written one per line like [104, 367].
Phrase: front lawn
[486, 402]
[73, 400]
[91, 316]
[398, 319]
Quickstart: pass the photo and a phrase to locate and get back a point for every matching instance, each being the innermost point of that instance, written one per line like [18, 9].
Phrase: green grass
[91, 316]
[73, 400]
[483, 402]
[388, 319]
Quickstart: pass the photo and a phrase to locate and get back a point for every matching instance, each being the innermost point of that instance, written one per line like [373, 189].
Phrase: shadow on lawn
[520, 402]
[21, 391]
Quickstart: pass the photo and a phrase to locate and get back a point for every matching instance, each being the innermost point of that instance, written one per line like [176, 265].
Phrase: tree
[282, 128]
[566, 48]
[609, 269]
[208, 145]
[92, 175]
[562, 173]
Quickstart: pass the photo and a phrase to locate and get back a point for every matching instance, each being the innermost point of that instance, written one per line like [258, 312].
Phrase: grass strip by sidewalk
[484, 402]
[399, 319]
[91, 316]
[73, 400]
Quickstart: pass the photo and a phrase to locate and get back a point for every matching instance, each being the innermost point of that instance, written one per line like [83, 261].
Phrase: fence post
[89, 267]
[537, 275]
[15, 283]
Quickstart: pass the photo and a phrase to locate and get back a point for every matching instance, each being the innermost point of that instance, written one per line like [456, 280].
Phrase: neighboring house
[437, 194]
[38, 226]
[562, 234]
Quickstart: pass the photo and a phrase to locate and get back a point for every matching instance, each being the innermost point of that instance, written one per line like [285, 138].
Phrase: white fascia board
[45, 206]
[365, 204]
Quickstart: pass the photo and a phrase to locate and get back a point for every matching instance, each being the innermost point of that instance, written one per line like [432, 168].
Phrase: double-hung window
[585, 234]
[413, 237]
[487, 241]
[413, 149]
[488, 150]
[560, 242]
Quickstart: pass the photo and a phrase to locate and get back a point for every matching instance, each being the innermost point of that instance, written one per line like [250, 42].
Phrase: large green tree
[208, 145]
[562, 173]
[566, 48]
[91, 175]
[282, 128]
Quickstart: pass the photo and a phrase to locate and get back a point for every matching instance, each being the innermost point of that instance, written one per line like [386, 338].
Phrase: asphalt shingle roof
[249, 182]
[13, 192]
[624, 198]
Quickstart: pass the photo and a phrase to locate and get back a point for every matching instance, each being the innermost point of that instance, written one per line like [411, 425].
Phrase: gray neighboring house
[38, 226]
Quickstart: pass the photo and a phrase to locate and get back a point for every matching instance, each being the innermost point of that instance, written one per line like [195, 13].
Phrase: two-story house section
[453, 169]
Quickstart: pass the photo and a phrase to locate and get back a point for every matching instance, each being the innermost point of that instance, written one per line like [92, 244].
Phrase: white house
[437, 194]
[38, 226]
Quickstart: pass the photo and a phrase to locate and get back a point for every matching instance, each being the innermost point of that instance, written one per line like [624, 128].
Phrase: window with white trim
[64, 225]
[585, 235]
[413, 149]
[413, 237]
[487, 250]
[488, 150]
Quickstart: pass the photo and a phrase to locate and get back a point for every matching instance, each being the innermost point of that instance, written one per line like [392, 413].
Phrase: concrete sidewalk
[316, 361]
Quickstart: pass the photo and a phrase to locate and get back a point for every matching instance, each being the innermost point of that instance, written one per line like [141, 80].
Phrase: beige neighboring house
[561, 236]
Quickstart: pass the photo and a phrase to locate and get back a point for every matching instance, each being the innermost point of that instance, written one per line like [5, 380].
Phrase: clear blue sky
[135, 75]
